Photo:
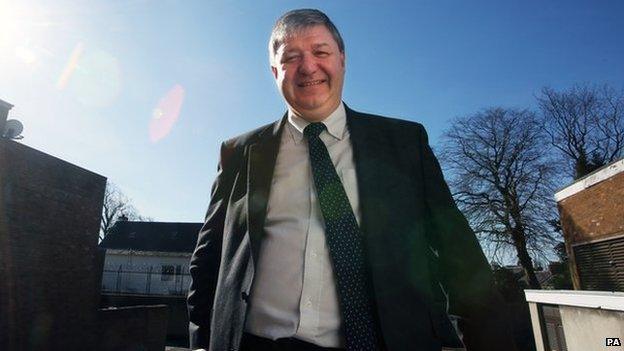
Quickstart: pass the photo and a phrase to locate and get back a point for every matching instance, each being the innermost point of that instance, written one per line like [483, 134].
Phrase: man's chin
[310, 104]
[316, 110]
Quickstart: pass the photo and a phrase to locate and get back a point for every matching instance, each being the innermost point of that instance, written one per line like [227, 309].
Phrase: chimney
[4, 113]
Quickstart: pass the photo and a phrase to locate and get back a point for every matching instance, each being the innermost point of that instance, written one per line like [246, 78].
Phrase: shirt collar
[336, 124]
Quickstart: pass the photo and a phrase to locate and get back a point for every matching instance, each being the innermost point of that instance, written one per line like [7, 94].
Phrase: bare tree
[586, 124]
[116, 206]
[501, 179]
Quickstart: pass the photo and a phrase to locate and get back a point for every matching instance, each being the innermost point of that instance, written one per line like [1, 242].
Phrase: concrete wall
[586, 328]
[579, 318]
[49, 219]
[537, 327]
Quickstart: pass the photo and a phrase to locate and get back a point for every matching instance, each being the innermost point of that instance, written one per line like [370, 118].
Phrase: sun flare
[21, 30]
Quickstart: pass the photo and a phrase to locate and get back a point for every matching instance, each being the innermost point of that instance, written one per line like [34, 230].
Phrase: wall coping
[591, 179]
[128, 252]
[606, 300]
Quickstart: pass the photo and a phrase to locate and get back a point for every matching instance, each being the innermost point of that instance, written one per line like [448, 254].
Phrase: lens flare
[166, 113]
[26, 55]
[92, 76]
[70, 66]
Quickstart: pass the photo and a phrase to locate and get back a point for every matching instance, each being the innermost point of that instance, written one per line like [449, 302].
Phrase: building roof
[604, 300]
[152, 236]
[591, 179]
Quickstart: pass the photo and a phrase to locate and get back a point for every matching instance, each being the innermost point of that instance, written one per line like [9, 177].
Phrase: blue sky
[143, 92]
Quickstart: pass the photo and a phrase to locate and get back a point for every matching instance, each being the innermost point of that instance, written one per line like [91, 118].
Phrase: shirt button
[314, 254]
[309, 303]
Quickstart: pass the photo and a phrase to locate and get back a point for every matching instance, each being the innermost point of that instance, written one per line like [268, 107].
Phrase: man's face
[309, 71]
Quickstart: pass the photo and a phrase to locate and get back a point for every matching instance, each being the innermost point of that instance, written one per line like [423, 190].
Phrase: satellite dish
[12, 129]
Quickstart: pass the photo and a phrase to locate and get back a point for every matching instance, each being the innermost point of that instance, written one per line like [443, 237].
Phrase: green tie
[346, 248]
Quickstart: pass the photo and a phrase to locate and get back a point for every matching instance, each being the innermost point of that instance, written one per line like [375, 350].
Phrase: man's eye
[290, 58]
[322, 53]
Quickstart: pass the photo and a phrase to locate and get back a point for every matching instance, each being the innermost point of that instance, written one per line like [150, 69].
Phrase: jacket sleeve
[205, 261]
[462, 267]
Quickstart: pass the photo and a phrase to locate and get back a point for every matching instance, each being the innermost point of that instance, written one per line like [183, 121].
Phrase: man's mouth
[311, 83]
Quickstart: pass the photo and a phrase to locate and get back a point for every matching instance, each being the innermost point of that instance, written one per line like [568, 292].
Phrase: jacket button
[245, 296]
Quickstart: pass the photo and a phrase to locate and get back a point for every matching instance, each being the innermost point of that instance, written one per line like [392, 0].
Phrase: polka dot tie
[346, 248]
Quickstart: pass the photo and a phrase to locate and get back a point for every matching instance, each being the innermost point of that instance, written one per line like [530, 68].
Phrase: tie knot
[313, 130]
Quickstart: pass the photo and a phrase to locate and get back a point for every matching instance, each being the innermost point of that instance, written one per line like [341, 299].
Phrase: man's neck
[314, 117]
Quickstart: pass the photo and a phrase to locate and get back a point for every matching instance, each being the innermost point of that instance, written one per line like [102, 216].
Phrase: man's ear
[274, 70]
[342, 59]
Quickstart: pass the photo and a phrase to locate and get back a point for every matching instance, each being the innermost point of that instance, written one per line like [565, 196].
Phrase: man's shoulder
[380, 122]
[251, 136]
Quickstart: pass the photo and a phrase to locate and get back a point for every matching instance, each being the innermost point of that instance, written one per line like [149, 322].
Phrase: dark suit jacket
[420, 246]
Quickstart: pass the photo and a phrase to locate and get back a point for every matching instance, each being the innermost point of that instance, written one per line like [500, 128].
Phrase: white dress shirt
[294, 290]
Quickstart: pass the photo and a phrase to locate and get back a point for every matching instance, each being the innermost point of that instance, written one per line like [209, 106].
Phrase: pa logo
[613, 342]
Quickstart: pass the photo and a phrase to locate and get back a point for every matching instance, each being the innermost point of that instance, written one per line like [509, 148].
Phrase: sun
[13, 22]
[20, 29]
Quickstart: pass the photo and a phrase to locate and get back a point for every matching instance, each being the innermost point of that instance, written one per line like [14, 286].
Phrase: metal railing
[146, 281]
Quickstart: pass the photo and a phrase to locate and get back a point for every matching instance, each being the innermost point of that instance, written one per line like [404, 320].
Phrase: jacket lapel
[261, 163]
[368, 153]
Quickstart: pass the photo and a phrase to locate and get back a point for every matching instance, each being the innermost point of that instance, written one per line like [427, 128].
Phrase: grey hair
[296, 20]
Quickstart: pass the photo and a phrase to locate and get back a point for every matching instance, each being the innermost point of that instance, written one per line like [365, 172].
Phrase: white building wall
[148, 273]
[588, 318]
[587, 329]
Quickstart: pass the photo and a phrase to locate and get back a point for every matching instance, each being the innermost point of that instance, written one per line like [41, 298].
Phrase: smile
[312, 82]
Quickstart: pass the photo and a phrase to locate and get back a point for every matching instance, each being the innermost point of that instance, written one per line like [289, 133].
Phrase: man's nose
[308, 65]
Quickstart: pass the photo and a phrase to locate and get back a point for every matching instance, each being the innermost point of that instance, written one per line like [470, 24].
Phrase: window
[166, 273]
[555, 337]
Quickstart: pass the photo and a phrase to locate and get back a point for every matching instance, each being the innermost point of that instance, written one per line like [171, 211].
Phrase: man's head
[308, 62]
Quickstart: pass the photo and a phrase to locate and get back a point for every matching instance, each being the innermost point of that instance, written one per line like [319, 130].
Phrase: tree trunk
[525, 259]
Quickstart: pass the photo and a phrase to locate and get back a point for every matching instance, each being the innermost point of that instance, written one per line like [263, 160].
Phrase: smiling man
[332, 229]
[309, 70]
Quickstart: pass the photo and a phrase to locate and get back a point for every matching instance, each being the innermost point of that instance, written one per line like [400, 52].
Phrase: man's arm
[204, 265]
[463, 269]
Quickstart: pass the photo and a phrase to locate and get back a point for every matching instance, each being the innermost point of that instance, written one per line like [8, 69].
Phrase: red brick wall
[594, 213]
[49, 221]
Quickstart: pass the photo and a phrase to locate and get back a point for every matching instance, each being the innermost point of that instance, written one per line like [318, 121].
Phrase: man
[332, 229]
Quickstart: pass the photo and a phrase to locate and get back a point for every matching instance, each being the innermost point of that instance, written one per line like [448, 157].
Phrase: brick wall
[49, 221]
[594, 213]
